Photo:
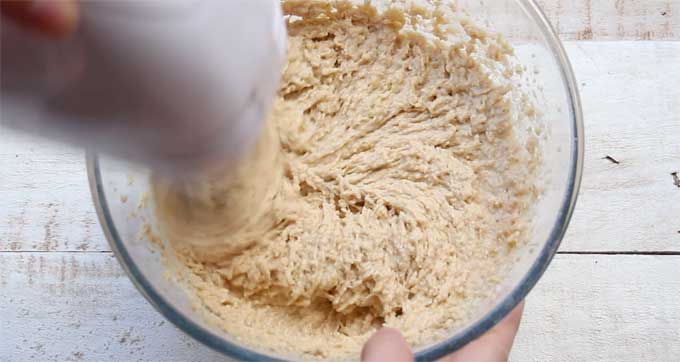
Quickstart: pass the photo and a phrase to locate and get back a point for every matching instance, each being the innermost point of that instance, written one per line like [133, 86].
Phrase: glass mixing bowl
[120, 193]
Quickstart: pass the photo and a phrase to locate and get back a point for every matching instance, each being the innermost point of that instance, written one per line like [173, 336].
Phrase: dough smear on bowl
[390, 187]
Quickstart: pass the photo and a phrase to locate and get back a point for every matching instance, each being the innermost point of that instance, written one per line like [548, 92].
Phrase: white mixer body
[170, 83]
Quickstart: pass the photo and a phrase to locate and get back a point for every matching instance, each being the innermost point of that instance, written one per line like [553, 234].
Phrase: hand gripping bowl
[120, 191]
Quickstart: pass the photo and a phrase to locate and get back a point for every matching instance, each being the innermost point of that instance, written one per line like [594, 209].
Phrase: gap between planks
[627, 253]
[661, 253]
[53, 252]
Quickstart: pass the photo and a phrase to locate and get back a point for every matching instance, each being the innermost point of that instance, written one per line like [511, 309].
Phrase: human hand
[54, 18]
[388, 345]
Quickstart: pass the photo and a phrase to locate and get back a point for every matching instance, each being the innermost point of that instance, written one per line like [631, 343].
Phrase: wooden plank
[614, 19]
[603, 308]
[631, 102]
[45, 198]
[81, 306]
[631, 105]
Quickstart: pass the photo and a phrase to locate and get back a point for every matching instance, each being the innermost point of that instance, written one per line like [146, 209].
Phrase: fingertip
[386, 345]
[55, 18]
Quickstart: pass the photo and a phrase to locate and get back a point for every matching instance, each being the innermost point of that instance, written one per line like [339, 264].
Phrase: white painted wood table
[612, 293]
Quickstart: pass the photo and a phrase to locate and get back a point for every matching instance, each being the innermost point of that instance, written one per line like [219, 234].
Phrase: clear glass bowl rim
[438, 350]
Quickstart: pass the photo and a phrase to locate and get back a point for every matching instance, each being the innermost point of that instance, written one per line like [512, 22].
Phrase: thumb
[56, 18]
[386, 345]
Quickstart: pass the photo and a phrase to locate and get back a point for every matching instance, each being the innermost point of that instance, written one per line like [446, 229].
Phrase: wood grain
[614, 19]
[631, 104]
[81, 307]
[46, 204]
[603, 308]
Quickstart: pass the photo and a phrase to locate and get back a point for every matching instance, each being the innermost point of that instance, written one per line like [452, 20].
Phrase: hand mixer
[172, 84]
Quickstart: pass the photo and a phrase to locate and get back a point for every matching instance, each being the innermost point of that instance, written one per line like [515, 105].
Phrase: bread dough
[390, 187]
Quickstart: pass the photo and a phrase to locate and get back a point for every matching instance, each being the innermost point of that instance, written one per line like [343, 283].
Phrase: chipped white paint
[614, 19]
[630, 93]
[46, 204]
[603, 308]
[63, 296]
[59, 306]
